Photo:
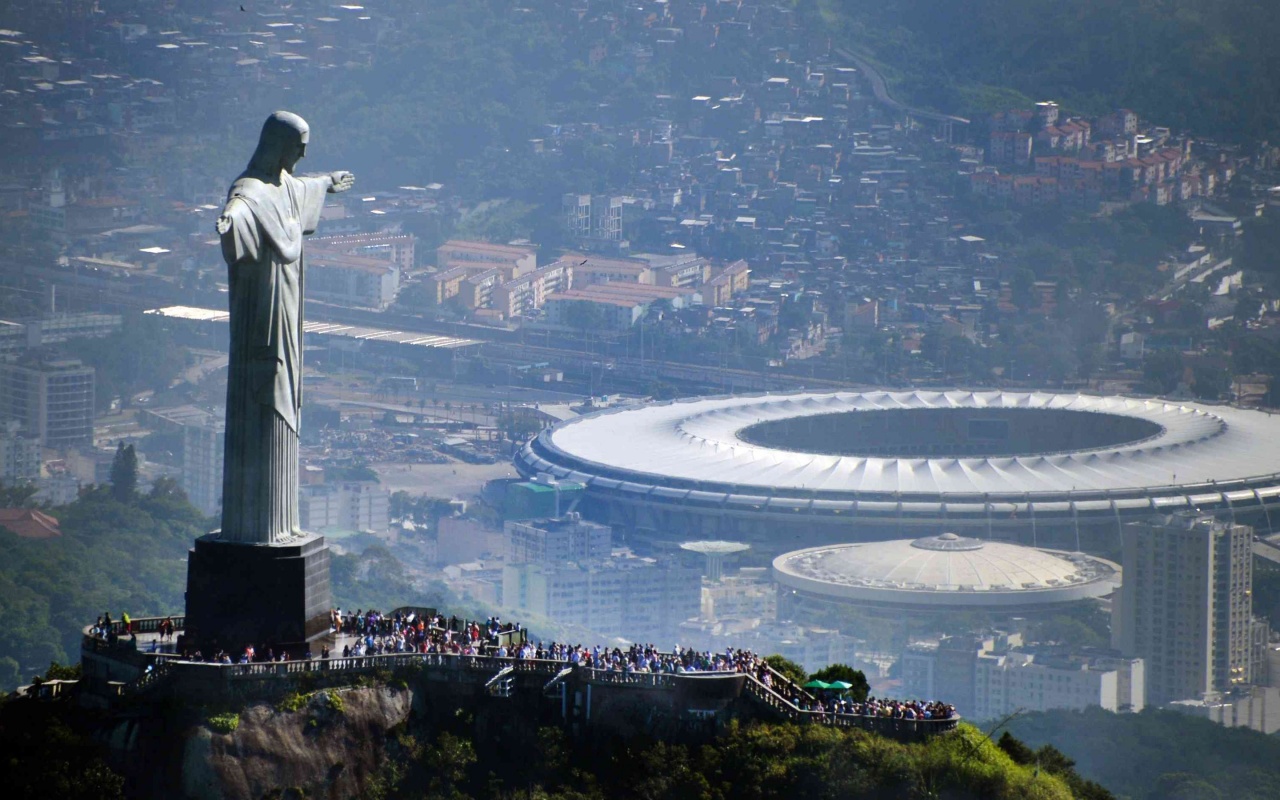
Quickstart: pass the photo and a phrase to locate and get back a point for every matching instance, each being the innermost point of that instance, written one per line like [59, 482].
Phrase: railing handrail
[144, 624]
[840, 718]
[162, 665]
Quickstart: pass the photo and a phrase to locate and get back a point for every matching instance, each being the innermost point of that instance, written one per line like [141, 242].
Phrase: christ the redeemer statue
[267, 213]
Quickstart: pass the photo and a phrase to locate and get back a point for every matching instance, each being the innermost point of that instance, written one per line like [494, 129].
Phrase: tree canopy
[1159, 754]
[846, 673]
[124, 473]
[787, 668]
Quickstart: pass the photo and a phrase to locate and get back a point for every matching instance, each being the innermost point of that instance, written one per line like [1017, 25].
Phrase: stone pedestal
[264, 595]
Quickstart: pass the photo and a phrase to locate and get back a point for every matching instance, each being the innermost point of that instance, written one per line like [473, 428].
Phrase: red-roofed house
[29, 523]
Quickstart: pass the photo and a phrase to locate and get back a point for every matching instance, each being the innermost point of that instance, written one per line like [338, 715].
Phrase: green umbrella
[817, 684]
[841, 685]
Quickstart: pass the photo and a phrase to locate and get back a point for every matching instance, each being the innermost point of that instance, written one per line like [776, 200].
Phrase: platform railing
[781, 694]
[871, 722]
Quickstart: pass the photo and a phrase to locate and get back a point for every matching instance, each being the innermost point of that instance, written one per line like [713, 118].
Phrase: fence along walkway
[486, 668]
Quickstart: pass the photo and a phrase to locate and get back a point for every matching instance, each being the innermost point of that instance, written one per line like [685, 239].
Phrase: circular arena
[943, 573]
[794, 469]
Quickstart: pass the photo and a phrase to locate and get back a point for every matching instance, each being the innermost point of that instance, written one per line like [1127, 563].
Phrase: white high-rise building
[634, 598]
[556, 541]
[202, 448]
[1185, 606]
[345, 506]
[1007, 682]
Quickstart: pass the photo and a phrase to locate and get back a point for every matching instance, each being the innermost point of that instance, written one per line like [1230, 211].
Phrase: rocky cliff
[328, 744]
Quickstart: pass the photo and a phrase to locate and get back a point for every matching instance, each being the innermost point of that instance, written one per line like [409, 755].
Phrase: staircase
[502, 684]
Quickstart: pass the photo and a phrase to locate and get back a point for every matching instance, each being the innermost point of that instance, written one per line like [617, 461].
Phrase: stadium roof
[1187, 454]
[946, 569]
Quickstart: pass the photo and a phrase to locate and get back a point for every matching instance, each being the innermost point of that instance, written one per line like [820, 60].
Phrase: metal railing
[870, 722]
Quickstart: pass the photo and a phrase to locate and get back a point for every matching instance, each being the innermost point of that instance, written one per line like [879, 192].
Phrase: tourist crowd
[372, 633]
[876, 707]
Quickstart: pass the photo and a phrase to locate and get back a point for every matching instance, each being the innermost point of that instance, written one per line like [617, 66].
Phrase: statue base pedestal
[273, 596]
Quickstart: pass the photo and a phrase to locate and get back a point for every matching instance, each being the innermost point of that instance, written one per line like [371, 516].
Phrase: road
[881, 91]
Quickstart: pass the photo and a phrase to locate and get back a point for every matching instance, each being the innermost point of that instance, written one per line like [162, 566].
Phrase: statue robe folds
[263, 251]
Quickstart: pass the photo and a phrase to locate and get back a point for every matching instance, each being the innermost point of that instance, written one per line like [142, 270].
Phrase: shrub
[294, 701]
[334, 701]
[224, 723]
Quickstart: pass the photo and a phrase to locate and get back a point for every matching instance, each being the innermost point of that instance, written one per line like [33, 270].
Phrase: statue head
[281, 144]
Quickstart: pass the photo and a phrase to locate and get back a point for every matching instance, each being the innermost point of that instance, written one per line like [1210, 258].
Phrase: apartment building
[1185, 606]
[53, 400]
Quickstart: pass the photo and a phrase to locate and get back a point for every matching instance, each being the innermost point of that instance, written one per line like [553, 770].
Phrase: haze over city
[654, 398]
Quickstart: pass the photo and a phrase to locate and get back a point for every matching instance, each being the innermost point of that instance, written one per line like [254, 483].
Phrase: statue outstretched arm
[341, 181]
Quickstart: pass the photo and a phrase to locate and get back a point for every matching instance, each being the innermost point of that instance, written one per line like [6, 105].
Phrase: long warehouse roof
[329, 328]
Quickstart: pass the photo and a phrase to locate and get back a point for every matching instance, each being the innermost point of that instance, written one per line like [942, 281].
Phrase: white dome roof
[1133, 457]
[946, 570]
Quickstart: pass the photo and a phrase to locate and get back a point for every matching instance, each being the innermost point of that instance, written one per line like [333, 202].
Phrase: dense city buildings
[568, 571]
[771, 224]
[993, 676]
[398, 248]
[594, 221]
[513, 259]
[1253, 707]
[1185, 605]
[18, 335]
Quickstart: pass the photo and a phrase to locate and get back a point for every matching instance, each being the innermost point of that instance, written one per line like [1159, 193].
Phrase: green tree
[788, 668]
[846, 673]
[17, 495]
[124, 474]
[1184, 786]
[1162, 371]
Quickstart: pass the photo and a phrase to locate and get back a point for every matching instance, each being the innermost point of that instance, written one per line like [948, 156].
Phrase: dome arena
[945, 572]
[791, 470]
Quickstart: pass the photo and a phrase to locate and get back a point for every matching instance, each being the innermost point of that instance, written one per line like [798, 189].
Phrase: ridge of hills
[1204, 65]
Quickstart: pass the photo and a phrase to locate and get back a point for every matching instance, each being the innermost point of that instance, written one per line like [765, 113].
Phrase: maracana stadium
[798, 470]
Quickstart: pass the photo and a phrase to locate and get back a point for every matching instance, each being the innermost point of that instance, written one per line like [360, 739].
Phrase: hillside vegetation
[1158, 755]
[1210, 66]
[117, 556]
[112, 557]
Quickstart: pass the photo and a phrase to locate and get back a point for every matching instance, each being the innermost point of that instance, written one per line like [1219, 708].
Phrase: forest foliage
[746, 762]
[112, 557]
[1208, 66]
[1156, 754]
[130, 555]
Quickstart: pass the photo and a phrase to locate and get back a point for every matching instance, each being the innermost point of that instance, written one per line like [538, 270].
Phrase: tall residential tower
[1185, 605]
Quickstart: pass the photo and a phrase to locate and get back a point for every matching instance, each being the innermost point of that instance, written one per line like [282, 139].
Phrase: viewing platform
[142, 666]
